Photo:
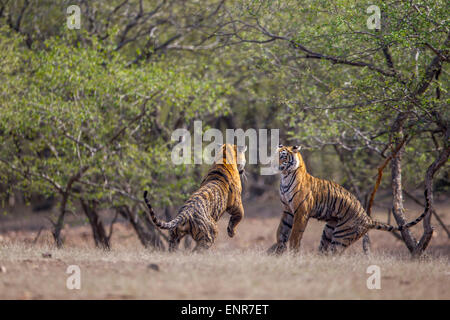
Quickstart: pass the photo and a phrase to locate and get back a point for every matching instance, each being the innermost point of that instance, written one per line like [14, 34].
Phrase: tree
[364, 78]
[78, 123]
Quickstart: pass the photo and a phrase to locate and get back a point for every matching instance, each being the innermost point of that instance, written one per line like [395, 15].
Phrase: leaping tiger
[219, 191]
[304, 196]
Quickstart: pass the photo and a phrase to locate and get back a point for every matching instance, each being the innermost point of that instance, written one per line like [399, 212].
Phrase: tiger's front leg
[300, 222]
[237, 213]
[283, 232]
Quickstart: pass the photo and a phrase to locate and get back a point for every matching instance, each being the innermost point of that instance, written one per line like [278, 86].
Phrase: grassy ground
[235, 268]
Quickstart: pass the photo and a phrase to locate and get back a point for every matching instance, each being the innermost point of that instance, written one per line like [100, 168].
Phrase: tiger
[219, 191]
[304, 196]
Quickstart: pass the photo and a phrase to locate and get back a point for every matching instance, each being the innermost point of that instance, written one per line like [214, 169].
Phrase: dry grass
[218, 274]
[235, 268]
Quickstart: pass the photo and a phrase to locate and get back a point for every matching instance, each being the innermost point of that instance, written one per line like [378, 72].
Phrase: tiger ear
[296, 148]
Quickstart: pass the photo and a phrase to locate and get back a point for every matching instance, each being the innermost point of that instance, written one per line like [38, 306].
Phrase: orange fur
[219, 191]
[304, 196]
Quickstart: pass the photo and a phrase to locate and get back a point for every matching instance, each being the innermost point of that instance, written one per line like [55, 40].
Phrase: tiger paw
[277, 249]
[231, 232]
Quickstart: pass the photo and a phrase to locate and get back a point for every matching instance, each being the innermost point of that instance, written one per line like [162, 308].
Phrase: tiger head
[240, 155]
[289, 158]
[233, 154]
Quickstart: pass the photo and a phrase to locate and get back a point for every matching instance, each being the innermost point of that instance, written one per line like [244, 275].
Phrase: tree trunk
[440, 160]
[65, 193]
[58, 226]
[145, 230]
[398, 210]
[98, 230]
[366, 239]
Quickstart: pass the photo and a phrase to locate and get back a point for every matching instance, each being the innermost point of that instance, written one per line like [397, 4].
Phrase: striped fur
[304, 196]
[219, 191]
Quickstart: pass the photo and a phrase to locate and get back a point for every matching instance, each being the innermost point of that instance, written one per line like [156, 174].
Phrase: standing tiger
[304, 196]
[219, 191]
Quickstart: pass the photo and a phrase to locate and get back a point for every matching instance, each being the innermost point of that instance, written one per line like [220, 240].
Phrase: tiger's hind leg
[327, 236]
[205, 237]
[202, 245]
[337, 248]
[175, 237]
[344, 236]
